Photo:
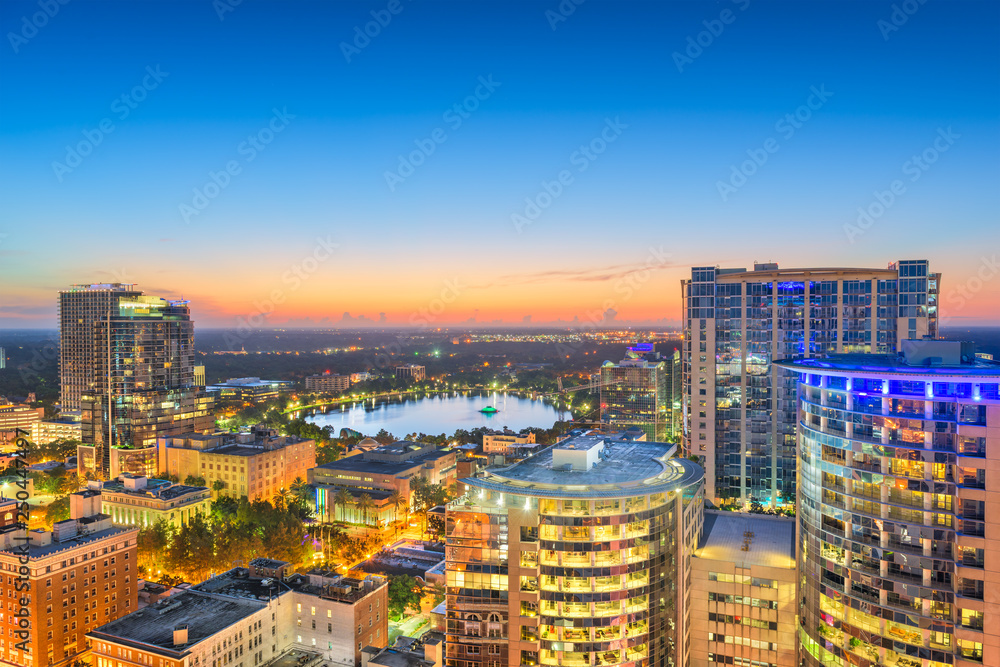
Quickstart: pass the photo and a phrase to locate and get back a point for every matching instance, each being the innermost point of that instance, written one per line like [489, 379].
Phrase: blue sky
[653, 192]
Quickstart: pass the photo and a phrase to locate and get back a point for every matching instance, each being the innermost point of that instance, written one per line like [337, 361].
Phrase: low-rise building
[15, 416]
[361, 376]
[378, 473]
[256, 464]
[253, 616]
[45, 431]
[131, 500]
[249, 389]
[506, 441]
[744, 608]
[80, 575]
[328, 382]
[411, 372]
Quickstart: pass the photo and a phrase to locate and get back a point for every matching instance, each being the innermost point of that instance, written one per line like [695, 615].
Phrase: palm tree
[343, 498]
[281, 498]
[365, 504]
[397, 500]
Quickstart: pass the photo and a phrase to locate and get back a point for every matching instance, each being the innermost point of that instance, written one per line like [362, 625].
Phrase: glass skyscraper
[899, 471]
[739, 412]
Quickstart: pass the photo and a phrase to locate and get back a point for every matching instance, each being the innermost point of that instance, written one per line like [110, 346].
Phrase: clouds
[584, 275]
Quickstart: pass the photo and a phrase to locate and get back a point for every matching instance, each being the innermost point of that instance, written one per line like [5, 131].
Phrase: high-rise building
[79, 308]
[744, 609]
[574, 556]
[899, 472]
[635, 392]
[328, 382]
[128, 364]
[14, 416]
[80, 575]
[739, 413]
[3, 359]
[675, 393]
[412, 372]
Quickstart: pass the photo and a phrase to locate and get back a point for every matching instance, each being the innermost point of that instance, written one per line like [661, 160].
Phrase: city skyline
[290, 125]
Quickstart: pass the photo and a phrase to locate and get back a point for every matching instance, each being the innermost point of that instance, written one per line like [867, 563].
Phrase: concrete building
[249, 389]
[744, 609]
[361, 376]
[378, 473]
[739, 412]
[256, 464]
[15, 416]
[634, 392]
[411, 372]
[252, 616]
[504, 442]
[574, 556]
[899, 472]
[199, 376]
[328, 382]
[139, 501]
[46, 431]
[79, 576]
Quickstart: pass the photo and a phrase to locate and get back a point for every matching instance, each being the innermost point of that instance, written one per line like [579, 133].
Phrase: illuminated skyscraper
[739, 413]
[577, 555]
[128, 364]
[899, 476]
[636, 392]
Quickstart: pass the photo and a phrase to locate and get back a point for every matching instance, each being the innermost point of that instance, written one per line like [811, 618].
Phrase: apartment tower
[577, 555]
[739, 412]
[899, 470]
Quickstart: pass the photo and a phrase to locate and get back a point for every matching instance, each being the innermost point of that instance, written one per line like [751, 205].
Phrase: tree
[218, 485]
[343, 498]
[404, 595]
[192, 551]
[383, 437]
[153, 542]
[57, 511]
[282, 498]
[191, 480]
[302, 492]
[365, 505]
[397, 500]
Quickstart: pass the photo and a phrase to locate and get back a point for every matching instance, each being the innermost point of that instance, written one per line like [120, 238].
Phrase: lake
[439, 413]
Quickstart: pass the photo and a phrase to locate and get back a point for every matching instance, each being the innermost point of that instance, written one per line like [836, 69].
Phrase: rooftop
[891, 364]
[370, 461]
[204, 615]
[614, 468]
[36, 551]
[772, 543]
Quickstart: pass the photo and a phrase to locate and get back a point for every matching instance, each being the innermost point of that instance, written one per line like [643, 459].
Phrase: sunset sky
[312, 118]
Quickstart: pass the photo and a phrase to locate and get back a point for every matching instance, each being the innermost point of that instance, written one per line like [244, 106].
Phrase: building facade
[249, 389]
[411, 372]
[634, 392]
[257, 615]
[744, 609]
[46, 431]
[574, 556]
[328, 382]
[140, 501]
[80, 575]
[14, 416]
[257, 464]
[900, 470]
[504, 442]
[378, 473]
[739, 413]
